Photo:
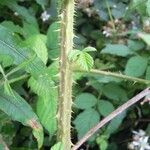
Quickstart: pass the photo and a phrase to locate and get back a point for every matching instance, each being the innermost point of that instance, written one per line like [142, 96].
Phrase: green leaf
[82, 59]
[36, 43]
[89, 49]
[105, 107]
[85, 61]
[85, 121]
[42, 2]
[117, 49]
[53, 36]
[46, 102]
[119, 11]
[53, 70]
[102, 142]
[6, 60]
[58, 146]
[140, 6]
[85, 101]
[136, 66]
[42, 85]
[29, 29]
[18, 109]
[47, 109]
[148, 73]
[135, 45]
[19, 54]
[12, 27]
[148, 7]
[7, 128]
[22, 11]
[145, 37]
[114, 92]
[53, 40]
[74, 55]
[115, 123]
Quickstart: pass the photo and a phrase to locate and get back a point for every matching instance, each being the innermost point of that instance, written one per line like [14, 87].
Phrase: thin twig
[111, 116]
[117, 75]
[110, 15]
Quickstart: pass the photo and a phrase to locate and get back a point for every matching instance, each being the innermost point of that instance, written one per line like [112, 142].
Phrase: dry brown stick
[115, 113]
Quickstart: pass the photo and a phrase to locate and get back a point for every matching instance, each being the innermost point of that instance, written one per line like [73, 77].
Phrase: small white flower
[107, 33]
[132, 22]
[45, 16]
[16, 14]
[147, 23]
[127, 8]
[114, 6]
[116, 20]
[141, 133]
[140, 141]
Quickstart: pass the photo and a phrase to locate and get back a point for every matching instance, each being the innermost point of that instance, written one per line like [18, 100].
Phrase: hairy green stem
[117, 75]
[15, 79]
[110, 15]
[65, 87]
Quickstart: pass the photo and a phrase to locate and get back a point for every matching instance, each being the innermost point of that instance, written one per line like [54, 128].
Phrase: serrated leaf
[85, 61]
[46, 102]
[117, 49]
[19, 54]
[74, 55]
[105, 107]
[85, 101]
[36, 43]
[18, 109]
[145, 37]
[82, 59]
[58, 146]
[89, 49]
[53, 40]
[47, 109]
[114, 92]
[41, 85]
[53, 36]
[136, 66]
[85, 121]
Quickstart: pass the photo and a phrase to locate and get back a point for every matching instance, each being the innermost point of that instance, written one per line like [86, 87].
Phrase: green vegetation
[66, 65]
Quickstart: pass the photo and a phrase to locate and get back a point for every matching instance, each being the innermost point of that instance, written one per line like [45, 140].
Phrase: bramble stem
[65, 88]
[117, 75]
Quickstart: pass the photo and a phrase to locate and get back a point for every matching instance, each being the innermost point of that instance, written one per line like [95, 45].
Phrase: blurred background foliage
[120, 31]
